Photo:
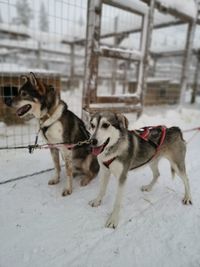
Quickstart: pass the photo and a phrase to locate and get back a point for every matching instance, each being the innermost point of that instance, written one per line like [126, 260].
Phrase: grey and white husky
[58, 125]
[119, 150]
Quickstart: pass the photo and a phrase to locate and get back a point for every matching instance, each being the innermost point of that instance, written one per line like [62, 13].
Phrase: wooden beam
[170, 10]
[119, 53]
[186, 60]
[91, 62]
[196, 80]
[126, 65]
[127, 99]
[126, 33]
[176, 53]
[15, 34]
[115, 108]
[128, 5]
[147, 31]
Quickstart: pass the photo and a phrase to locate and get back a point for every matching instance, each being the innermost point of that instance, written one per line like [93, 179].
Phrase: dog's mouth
[99, 149]
[23, 110]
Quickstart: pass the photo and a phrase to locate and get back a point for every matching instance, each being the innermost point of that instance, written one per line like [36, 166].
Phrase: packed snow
[39, 227]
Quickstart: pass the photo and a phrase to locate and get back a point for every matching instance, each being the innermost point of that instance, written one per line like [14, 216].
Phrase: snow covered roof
[186, 10]
[187, 7]
[14, 29]
[156, 80]
[136, 5]
[16, 69]
[30, 33]
[34, 45]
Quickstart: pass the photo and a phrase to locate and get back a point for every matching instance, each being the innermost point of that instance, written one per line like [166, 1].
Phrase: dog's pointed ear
[24, 77]
[122, 120]
[37, 83]
[86, 116]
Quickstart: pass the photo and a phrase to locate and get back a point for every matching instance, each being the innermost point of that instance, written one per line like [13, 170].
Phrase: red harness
[144, 133]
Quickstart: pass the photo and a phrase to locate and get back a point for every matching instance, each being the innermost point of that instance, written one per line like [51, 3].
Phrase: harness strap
[108, 162]
[144, 136]
[145, 133]
[163, 135]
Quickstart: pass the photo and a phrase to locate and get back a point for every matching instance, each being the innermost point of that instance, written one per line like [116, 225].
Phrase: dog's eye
[92, 125]
[105, 125]
[23, 93]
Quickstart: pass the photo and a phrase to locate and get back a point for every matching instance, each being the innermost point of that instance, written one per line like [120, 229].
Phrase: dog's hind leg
[156, 174]
[88, 172]
[56, 161]
[179, 168]
[104, 178]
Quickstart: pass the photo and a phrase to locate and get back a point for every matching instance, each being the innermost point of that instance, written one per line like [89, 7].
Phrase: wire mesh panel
[48, 38]
[38, 36]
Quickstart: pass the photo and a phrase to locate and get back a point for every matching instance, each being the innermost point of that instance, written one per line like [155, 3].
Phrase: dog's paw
[187, 201]
[84, 181]
[66, 192]
[146, 188]
[112, 221]
[95, 203]
[53, 181]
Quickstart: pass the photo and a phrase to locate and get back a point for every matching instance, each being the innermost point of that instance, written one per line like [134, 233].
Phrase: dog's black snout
[94, 141]
[8, 101]
[9, 92]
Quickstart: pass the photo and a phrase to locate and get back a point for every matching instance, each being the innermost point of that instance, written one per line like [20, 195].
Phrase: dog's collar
[108, 162]
[52, 116]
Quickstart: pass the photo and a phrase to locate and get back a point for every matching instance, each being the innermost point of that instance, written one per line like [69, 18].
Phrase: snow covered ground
[41, 228]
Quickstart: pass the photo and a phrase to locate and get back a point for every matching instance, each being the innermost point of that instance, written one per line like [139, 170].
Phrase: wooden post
[154, 67]
[39, 55]
[114, 63]
[186, 60]
[196, 79]
[146, 44]
[72, 63]
[92, 44]
[125, 80]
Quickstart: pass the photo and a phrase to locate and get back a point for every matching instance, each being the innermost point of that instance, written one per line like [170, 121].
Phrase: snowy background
[39, 227]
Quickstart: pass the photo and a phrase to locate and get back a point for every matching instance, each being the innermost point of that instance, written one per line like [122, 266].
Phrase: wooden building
[160, 91]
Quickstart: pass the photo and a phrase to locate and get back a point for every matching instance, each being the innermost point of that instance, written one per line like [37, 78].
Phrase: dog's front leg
[113, 219]
[104, 178]
[69, 171]
[56, 161]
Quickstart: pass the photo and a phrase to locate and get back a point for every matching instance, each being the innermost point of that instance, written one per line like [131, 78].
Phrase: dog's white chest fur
[54, 133]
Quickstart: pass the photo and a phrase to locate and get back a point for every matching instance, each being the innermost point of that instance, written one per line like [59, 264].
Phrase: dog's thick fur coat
[126, 150]
[58, 125]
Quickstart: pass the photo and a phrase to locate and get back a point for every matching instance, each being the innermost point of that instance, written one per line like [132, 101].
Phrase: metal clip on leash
[31, 148]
